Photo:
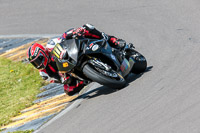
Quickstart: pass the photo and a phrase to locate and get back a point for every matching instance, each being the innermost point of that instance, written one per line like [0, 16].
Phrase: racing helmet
[38, 56]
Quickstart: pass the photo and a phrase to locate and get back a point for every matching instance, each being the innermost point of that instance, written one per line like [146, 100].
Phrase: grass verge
[19, 84]
[27, 131]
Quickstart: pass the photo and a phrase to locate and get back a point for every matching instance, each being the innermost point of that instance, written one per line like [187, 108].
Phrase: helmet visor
[38, 62]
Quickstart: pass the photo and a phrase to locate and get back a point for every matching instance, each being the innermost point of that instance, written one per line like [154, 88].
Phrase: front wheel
[98, 75]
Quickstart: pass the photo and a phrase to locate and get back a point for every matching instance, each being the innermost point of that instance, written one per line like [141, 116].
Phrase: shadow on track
[103, 90]
[133, 77]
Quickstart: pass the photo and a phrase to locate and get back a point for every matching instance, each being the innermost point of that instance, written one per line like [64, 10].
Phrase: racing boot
[131, 46]
[121, 44]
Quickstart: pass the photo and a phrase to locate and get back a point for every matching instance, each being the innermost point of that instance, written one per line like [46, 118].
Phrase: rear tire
[140, 61]
[139, 67]
[140, 64]
[96, 76]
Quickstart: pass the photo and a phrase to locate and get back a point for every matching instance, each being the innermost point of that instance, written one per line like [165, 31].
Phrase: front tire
[96, 76]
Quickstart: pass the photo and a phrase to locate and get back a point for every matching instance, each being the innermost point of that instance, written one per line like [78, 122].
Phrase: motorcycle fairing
[103, 48]
[66, 65]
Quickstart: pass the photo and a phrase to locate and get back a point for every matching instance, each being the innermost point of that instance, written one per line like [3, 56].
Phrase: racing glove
[65, 78]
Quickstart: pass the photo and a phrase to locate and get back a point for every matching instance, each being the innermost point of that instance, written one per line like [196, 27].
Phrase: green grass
[19, 84]
[27, 131]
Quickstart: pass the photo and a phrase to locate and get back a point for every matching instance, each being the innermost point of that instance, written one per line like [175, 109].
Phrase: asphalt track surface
[163, 100]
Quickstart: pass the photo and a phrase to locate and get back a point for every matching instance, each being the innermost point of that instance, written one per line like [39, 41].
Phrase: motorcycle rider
[89, 31]
[41, 58]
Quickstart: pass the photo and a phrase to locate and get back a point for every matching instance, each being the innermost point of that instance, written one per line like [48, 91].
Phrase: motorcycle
[95, 60]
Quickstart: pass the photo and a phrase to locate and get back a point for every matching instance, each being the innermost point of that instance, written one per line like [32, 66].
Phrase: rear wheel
[115, 81]
[140, 62]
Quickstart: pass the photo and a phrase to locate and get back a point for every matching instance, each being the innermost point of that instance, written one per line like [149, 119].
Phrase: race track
[165, 99]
